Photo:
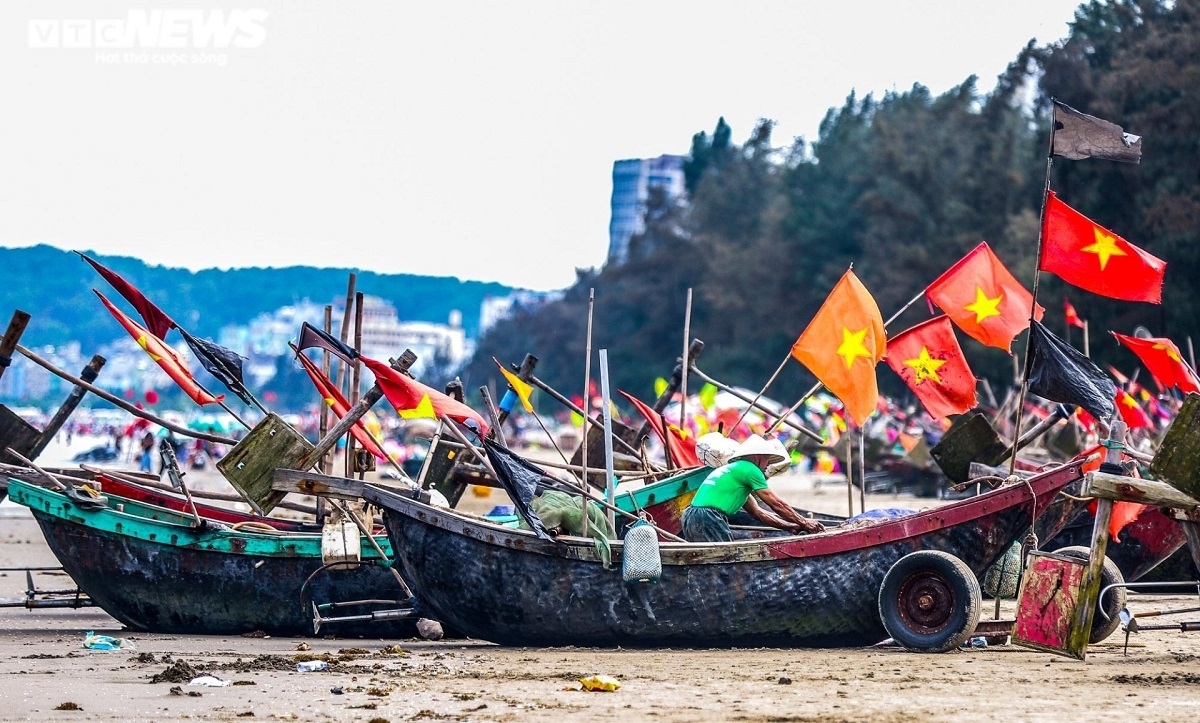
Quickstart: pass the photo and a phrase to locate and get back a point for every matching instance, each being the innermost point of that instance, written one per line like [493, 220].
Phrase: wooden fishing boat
[1144, 544]
[154, 571]
[511, 587]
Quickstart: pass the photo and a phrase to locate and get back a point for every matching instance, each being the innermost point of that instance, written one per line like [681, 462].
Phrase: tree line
[901, 186]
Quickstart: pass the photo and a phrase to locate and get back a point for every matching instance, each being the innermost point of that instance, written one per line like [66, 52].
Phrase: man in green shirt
[739, 483]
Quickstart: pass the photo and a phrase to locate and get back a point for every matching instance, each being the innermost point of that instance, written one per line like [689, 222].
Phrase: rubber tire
[953, 584]
[1110, 574]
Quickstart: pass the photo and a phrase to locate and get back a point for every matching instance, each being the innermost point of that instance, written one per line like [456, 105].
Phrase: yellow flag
[521, 387]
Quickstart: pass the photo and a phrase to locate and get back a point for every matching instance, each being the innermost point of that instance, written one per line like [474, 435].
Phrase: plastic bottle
[310, 666]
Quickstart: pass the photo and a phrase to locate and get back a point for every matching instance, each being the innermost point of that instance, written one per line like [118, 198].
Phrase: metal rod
[862, 470]
[610, 481]
[687, 335]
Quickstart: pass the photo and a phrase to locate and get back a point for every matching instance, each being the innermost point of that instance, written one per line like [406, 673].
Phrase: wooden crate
[1050, 590]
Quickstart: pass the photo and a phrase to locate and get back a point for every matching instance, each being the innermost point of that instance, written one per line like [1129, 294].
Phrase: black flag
[1079, 135]
[1060, 373]
[520, 479]
[311, 336]
[224, 364]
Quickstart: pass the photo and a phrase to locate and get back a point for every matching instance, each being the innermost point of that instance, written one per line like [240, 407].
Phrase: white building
[632, 180]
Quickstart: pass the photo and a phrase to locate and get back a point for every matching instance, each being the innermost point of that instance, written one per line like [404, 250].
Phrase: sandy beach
[49, 675]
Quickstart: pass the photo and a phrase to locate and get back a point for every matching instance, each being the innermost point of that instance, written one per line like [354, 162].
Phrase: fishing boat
[511, 587]
[1142, 545]
[157, 570]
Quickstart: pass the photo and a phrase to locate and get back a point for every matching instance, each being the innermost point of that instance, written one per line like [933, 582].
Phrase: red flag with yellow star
[1162, 358]
[983, 299]
[1083, 253]
[414, 400]
[930, 361]
[842, 345]
[1131, 412]
[163, 355]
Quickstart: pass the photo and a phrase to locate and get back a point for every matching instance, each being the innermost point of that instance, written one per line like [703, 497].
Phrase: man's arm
[791, 519]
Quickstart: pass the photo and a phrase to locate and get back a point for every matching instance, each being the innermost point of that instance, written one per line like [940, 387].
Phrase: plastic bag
[605, 683]
[209, 681]
[106, 642]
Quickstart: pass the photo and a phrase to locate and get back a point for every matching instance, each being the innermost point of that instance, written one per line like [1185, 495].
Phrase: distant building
[495, 308]
[384, 336]
[632, 180]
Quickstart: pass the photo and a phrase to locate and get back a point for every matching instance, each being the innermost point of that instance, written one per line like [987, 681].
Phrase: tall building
[632, 180]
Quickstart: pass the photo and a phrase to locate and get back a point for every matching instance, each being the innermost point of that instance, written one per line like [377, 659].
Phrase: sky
[467, 139]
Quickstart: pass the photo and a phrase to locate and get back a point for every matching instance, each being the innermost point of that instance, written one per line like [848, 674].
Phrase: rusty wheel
[929, 601]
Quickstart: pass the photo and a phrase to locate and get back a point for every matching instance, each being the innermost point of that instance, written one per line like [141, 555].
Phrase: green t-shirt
[727, 487]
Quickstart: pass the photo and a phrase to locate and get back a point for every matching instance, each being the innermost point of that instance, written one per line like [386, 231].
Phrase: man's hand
[805, 527]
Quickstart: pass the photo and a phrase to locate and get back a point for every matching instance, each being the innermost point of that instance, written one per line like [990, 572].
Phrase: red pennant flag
[680, 449]
[156, 319]
[983, 299]
[1072, 316]
[843, 343]
[340, 405]
[930, 361]
[1085, 254]
[1162, 358]
[1132, 412]
[413, 400]
[163, 355]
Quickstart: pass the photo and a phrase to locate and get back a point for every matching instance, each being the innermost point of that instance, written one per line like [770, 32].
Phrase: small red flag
[1072, 316]
[163, 355]
[413, 400]
[1085, 254]
[930, 361]
[340, 405]
[1132, 412]
[680, 446]
[1162, 358]
[984, 299]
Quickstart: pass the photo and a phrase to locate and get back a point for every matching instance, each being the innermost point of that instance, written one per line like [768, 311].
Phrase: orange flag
[1162, 358]
[339, 404]
[1082, 252]
[163, 355]
[930, 361]
[983, 299]
[413, 400]
[842, 345]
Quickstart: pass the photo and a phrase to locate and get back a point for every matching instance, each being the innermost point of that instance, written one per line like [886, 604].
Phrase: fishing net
[1002, 577]
[561, 511]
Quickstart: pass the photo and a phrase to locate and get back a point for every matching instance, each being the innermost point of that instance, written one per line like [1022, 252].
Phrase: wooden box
[1046, 602]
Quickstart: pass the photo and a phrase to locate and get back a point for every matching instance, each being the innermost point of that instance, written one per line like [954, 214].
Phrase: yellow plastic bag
[600, 682]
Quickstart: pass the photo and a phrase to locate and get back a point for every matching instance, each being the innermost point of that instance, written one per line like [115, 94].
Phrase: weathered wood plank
[1177, 461]
[1131, 489]
[323, 485]
[12, 335]
[250, 464]
[972, 440]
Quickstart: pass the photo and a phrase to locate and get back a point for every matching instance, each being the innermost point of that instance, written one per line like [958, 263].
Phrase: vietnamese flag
[163, 355]
[843, 343]
[983, 299]
[414, 400]
[339, 404]
[1132, 412]
[1073, 316]
[930, 361]
[1162, 358]
[1085, 254]
[679, 444]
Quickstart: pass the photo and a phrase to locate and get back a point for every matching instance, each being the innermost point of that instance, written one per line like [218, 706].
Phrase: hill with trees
[901, 187]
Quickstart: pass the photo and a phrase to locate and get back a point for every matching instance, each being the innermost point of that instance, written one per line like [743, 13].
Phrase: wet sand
[45, 666]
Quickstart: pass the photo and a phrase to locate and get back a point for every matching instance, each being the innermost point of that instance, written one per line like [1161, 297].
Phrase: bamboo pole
[356, 374]
[112, 399]
[862, 470]
[849, 472]
[1033, 305]
[587, 402]
[12, 335]
[1086, 350]
[687, 335]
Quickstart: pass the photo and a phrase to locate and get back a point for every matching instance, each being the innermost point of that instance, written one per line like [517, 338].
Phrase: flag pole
[587, 404]
[1037, 272]
[683, 368]
[1086, 350]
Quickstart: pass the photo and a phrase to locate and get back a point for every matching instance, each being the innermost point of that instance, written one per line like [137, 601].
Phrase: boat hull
[162, 577]
[511, 588]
